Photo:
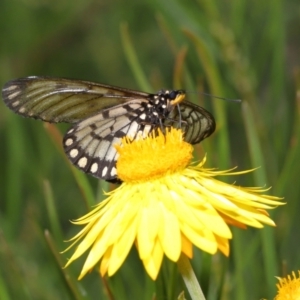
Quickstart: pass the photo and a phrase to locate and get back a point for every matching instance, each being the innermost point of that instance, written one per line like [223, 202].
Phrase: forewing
[90, 143]
[196, 122]
[62, 100]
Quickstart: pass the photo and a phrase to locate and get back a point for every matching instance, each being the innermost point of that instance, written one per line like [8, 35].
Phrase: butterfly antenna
[221, 98]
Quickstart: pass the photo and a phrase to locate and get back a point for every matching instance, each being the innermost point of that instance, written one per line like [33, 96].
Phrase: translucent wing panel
[62, 100]
[196, 122]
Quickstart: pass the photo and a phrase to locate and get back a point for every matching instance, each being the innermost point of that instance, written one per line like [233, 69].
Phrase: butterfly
[102, 115]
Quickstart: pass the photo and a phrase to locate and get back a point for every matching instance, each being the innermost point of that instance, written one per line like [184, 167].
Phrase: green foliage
[236, 49]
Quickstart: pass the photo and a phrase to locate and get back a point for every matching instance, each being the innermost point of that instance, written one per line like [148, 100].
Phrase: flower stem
[189, 278]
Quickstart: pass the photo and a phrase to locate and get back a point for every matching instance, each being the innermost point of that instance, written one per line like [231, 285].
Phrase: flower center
[149, 158]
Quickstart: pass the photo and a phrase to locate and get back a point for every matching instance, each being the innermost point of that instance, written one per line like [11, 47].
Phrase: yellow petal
[153, 262]
[203, 239]
[169, 235]
[148, 230]
[121, 249]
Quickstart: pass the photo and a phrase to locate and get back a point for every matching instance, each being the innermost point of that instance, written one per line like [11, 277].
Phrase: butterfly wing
[102, 115]
[90, 143]
[62, 100]
[196, 122]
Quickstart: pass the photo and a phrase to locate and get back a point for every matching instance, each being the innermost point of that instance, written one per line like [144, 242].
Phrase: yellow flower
[165, 206]
[288, 288]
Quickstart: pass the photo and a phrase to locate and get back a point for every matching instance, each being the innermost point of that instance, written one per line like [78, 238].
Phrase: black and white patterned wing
[196, 122]
[62, 100]
[90, 143]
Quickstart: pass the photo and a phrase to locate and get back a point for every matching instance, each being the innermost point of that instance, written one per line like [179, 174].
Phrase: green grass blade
[132, 59]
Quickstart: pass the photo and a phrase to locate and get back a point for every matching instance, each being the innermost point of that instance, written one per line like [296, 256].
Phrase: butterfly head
[165, 100]
[176, 97]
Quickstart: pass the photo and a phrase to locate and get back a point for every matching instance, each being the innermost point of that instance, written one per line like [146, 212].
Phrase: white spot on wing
[73, 153]
[82, 162]
[104, 171]
[113, 171]
[94, 167]
[69, 142]
[22, 110]
[143, 116]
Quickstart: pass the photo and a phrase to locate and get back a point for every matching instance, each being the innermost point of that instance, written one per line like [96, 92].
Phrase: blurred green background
[237, 49]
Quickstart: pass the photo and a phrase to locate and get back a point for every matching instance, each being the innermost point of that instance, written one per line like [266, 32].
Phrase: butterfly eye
[173, 95]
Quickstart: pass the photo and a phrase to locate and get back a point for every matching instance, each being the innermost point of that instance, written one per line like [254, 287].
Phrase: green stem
[189, 278]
